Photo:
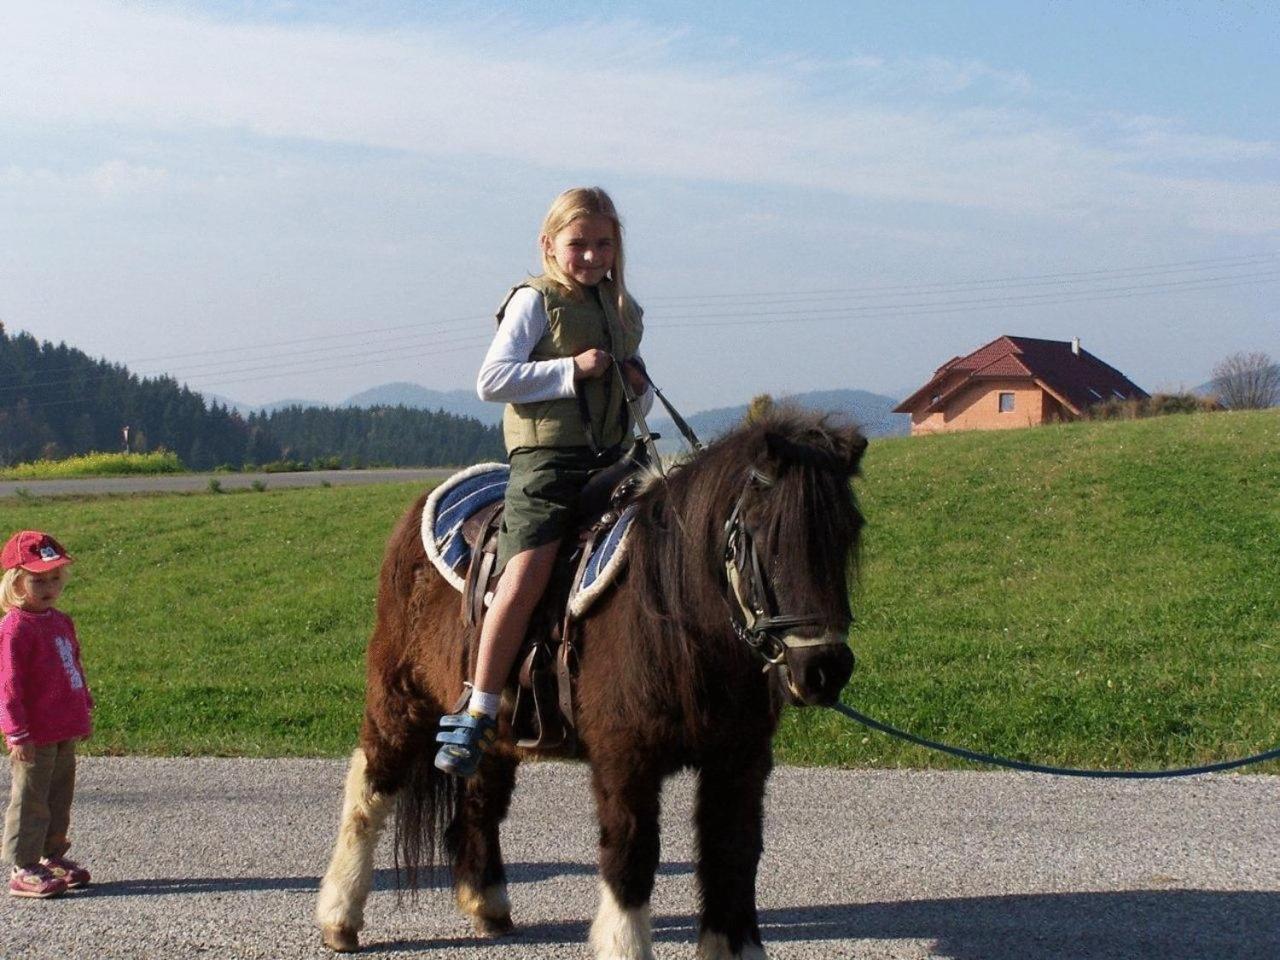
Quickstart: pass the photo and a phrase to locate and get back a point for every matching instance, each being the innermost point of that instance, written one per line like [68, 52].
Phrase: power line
[40, 405]
[1184, 266]
[227, 371]
[940, 288]
[238, 366]
[1041, 299]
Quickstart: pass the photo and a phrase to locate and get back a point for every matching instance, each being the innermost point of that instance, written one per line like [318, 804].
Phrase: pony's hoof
[340, 939]
[495, 926]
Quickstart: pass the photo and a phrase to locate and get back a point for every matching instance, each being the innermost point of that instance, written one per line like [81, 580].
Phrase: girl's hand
[590, 364]
[23, 752]
[636, 379]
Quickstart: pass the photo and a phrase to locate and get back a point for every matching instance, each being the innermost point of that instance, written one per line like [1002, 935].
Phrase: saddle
[544, 716]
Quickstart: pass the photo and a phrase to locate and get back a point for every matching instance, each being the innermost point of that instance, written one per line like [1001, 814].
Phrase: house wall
[978, 408]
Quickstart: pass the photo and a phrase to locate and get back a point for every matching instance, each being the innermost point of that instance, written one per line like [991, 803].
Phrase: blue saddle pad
[471, 490]
[450, 504]
[606, 560]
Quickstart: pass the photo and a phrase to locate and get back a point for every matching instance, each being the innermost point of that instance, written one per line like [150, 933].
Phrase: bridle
[751, 599]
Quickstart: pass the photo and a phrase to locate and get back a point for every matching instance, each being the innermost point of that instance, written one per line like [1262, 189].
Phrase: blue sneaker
[464, 738]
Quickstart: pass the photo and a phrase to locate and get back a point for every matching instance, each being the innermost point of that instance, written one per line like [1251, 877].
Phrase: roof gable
[1075, 375]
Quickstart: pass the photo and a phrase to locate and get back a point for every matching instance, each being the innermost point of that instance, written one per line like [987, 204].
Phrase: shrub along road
[196, 857]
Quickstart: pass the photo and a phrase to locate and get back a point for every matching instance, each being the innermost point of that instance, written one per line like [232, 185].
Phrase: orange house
[1015, 382]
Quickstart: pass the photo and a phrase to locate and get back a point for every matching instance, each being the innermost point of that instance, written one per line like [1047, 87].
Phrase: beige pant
[40, 804]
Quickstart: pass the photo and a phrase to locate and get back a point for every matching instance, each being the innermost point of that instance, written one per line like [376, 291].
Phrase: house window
[1006, 403]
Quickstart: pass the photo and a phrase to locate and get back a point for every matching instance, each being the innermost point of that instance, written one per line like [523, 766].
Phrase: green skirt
[542, 495]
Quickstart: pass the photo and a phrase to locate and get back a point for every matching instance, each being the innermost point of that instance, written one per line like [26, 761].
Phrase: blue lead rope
[1056, 771]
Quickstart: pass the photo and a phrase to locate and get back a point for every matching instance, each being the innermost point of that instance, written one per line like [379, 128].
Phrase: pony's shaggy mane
[806, 519]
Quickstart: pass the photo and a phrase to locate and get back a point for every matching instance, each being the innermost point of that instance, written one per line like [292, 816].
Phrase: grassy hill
[1103, 594]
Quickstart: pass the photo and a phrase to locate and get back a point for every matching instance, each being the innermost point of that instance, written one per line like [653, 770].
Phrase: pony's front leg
[730, 822]
[628, 802]
[479, 875]
[346, 884]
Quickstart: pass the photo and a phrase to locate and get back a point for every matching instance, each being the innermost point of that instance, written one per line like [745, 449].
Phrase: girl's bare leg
[523, 582]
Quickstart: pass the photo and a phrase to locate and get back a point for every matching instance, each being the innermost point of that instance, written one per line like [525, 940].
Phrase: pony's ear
[822, 444]
[777, 448]
[855, 445]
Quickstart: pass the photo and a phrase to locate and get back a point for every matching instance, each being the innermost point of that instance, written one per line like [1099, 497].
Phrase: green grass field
[1101, 594]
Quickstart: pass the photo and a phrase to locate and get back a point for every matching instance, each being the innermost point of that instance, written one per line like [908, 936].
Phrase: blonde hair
[572, 205]
[13, 589]
[12, 592]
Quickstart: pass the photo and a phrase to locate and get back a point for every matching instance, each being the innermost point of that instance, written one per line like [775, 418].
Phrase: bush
[1156, 405]
[259, 485]
[96, 465]
[215, 485]
[284, 466]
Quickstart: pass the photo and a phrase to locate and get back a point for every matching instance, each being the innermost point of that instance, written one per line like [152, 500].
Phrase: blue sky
[286, 199]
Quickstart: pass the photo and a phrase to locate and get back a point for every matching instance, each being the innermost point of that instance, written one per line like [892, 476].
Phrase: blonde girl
[44, 709]
[566, 418]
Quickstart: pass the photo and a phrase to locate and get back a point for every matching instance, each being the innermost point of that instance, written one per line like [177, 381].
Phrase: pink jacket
[43, 694]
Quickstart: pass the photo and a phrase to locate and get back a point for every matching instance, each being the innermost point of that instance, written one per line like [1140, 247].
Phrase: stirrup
[464, 738]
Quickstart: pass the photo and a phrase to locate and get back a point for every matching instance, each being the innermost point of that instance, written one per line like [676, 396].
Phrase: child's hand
[636, 379]
[23, 752]
[590, 364]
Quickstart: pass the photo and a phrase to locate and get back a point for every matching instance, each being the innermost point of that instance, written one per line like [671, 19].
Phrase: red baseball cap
[34, 552]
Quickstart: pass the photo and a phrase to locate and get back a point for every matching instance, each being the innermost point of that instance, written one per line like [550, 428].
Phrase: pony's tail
[426, 806]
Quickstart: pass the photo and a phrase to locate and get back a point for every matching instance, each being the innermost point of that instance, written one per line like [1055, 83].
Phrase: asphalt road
[222, 858]
[199, 482]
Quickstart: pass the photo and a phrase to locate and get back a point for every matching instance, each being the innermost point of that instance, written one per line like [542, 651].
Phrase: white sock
[486, 703]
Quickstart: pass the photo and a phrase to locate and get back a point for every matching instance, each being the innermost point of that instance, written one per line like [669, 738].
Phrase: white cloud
[620, 99]
[117, 177]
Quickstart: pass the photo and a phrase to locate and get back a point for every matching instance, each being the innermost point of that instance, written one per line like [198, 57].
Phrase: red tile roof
[1080, 379]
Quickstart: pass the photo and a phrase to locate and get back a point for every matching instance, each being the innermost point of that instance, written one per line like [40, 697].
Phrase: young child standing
[44, 710]
[566, 418]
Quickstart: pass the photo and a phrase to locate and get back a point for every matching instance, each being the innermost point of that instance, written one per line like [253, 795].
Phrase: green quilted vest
[574, 326]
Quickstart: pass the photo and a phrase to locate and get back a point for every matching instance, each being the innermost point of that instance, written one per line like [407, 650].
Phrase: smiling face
[40, 591]
[585, 249]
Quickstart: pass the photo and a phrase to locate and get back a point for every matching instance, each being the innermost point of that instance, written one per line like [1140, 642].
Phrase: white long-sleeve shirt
[507, 375]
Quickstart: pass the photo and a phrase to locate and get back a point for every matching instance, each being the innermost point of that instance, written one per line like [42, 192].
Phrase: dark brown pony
[667, 680]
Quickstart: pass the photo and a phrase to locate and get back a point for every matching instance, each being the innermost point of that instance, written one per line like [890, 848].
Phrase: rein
[647, 436]
[977, 757]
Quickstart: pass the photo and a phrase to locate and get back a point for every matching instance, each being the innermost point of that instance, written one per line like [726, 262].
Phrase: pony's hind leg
[628, 800]
[479, 875]
[730, 823]
[346, 884]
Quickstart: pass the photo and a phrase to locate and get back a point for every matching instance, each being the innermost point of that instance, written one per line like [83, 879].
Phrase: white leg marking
[349, 878]
[715, 946]
[620, 934]
[489, 909]
[491, 903]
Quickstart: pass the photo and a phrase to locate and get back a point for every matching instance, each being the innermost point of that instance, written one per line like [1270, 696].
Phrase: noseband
[754, 614]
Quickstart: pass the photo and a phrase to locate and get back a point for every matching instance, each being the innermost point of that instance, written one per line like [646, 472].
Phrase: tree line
[56, 401]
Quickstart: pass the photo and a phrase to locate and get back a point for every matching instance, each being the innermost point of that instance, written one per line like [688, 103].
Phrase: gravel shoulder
[218, 857]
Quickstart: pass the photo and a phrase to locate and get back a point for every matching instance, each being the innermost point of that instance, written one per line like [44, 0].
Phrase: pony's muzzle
[814, 674]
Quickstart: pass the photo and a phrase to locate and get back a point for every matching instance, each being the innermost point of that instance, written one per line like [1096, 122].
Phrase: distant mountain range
[463, 403]
[873, 411]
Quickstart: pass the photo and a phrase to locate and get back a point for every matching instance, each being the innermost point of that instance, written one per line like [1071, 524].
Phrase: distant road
[195, 482]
